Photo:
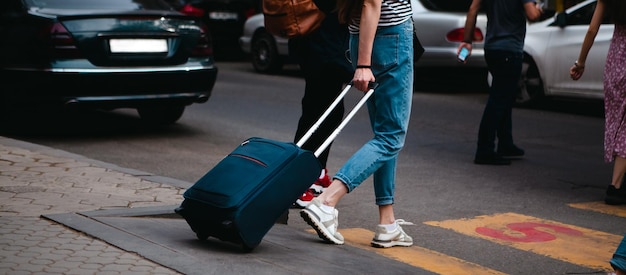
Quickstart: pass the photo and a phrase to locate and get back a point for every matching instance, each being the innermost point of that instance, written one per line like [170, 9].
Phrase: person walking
[322, 60]
[614, 91]
[504, 42]
[381, 51]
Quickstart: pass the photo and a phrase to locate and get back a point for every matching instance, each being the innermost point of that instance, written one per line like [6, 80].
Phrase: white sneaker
[323, 222]
[397, 237]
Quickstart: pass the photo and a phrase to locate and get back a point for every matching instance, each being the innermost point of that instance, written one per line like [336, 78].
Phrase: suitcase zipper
[250, 159]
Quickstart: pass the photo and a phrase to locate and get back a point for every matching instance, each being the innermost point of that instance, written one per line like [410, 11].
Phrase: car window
[99, 4]
[583, 16]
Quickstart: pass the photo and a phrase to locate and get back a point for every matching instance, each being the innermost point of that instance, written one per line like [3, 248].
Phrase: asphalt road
[438, 188]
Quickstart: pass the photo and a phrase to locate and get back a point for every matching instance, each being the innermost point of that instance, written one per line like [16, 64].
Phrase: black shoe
[615, 196]
[492, 160]
[511, 151]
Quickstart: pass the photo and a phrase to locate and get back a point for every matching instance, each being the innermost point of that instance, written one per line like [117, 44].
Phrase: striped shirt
[393, 12]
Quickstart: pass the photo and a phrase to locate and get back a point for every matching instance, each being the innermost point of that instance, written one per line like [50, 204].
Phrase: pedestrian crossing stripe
[416, 256]
[573, 244]
[601, 207]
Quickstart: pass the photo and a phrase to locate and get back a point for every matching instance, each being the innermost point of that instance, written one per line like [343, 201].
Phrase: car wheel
[531, 85]
[265, 57]
[161, 114]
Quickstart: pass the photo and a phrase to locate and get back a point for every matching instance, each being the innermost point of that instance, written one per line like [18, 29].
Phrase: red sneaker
[321, 183]
[305, 199]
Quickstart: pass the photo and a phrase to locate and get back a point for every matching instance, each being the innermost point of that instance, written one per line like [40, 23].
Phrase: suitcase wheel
[247, 248]
[179, 210]
[202, 236]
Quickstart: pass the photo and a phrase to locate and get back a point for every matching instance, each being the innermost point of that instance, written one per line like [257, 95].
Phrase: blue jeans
[619, 257]
[506, 69]
[389, 110]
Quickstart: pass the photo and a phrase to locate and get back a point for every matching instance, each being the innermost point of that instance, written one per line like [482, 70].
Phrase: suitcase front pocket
[241, 173]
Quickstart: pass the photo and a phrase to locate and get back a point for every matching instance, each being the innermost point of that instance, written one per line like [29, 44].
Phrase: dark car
[225, 18]
[105, 55]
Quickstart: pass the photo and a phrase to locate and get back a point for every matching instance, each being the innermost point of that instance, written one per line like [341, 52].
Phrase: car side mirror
[561, 19]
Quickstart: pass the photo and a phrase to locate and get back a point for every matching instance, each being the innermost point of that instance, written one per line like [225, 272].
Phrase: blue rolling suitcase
[240, 199]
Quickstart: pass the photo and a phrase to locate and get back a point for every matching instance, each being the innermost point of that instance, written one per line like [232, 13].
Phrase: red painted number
[529, 231]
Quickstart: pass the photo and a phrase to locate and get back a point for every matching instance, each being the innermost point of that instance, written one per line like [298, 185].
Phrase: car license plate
[138, 45]
[222, 15]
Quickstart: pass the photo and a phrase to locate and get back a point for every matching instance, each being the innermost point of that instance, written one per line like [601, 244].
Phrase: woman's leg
[386, 214]
[614, 194]
[619, 169]
[333, 193]
[389, 111]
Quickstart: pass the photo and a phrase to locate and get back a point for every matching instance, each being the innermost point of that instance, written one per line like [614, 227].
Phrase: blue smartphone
[463, 54]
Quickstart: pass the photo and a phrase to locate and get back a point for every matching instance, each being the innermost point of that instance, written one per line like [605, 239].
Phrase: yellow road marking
[600, 206]
[415, 256]
[576, 245]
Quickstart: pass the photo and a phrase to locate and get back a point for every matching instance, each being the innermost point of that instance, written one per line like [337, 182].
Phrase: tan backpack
[291, 18]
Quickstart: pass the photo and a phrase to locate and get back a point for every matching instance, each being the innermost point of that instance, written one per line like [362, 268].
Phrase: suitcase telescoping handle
[334, 134]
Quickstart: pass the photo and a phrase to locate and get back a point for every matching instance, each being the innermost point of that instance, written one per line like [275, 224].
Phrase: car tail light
[61, 42]
[191, 10]
[458, 34]
[249, 13]
[205, 45]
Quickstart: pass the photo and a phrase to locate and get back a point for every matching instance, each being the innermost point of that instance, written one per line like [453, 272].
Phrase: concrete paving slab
[157, 234]
[63, 213]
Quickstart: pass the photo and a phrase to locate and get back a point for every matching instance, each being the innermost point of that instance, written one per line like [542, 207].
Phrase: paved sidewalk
[62, 213]
[37, 180]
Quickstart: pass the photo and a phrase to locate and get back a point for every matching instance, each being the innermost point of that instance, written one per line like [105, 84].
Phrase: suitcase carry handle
[309, 133]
